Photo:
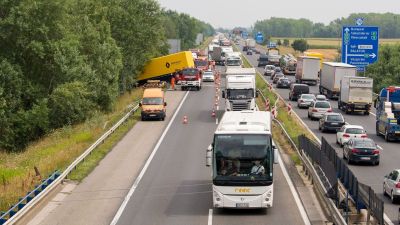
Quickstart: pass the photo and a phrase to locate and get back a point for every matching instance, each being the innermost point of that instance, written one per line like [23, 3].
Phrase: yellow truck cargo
[161, 67]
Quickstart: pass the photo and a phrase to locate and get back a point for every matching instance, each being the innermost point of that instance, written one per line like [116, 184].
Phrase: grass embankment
[293, 127]
[59, 149]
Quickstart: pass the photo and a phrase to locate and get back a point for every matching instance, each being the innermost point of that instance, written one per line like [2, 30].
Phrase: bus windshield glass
[242, 159]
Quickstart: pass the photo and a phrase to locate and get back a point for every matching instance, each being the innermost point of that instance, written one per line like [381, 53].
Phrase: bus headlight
[217, 196]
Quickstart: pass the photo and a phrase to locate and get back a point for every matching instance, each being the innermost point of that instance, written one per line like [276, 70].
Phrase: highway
[370, 175]
[176, 185]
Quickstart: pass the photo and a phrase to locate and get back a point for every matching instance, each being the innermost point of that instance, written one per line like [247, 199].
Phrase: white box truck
[242, 157]
[240, 89]
[331, 75]
[355, 94]
[307, 70]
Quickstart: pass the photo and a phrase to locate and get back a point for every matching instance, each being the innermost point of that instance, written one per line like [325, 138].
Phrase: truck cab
[240, 89]
[190, 78]
[388, 113]
[201, 63]
[153, 103]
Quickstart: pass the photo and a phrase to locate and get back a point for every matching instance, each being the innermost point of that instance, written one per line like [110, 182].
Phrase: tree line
[388, 23]
[63, 60]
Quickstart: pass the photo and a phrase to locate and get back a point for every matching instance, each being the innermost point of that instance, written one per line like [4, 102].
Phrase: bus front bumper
[239, 201]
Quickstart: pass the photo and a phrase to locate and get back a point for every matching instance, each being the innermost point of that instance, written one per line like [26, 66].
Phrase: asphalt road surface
[367, 174]
[176, 187]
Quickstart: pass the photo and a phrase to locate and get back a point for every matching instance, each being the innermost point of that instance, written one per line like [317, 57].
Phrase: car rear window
[354, 131]
[208, 73]
[336, 118]
[364, 144]
[307, 97]
[322, 105]
[301, 88]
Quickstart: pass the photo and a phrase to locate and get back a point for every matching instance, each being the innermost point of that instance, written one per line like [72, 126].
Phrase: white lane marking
[216, 120]
[300, 206]
[140, 176]
[210, 213]
[372, 114]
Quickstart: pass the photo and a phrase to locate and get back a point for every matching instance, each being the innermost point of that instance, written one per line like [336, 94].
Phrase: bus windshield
[242, 159]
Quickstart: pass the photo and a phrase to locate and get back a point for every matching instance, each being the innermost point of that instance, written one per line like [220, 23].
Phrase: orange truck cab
[153, 104]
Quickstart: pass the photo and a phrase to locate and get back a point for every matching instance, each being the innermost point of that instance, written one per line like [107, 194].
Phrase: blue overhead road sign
[360, 46]
[259, 37]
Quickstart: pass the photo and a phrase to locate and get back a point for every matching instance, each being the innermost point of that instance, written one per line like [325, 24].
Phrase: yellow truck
[160, 68]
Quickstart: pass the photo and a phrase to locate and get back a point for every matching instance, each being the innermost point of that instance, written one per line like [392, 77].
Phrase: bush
[69, 104]
[286, 42]
[300, 45]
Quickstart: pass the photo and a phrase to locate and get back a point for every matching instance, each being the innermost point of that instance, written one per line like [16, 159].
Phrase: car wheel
[384, 190]
[341, 143]
[337, 141]
[377, 131]
[319, 127]
[323, 129]
[387, 138]
[344, 156]
[376, 163]
[392, 197]
[366, 113]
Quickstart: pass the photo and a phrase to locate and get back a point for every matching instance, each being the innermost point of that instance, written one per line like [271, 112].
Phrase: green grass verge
[91, 161]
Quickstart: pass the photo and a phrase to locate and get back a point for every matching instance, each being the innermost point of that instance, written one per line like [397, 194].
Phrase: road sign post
[360, 46]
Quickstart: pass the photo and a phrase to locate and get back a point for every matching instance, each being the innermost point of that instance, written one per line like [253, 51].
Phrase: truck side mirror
[140, 104]
[276, 159]
[223, 94]
[209, 155]
[165, 103]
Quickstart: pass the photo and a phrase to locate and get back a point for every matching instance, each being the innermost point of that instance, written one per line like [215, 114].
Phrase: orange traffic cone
[213, 113]
[185, 120]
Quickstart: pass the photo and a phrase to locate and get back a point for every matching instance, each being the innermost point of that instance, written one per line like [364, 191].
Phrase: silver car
[269, 70]
[318, 108]
[305, 100]
[391, 185]
[208, 76]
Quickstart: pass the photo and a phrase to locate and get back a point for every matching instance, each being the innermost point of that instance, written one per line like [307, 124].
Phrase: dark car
[277, 70]
[331, 122]
[297, 89]
[249, 52]
[245, 48]
[277, 77]
[262, 60]
[361, 150]
[283, 83]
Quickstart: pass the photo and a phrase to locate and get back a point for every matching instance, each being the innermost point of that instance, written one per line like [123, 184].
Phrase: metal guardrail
[24, 210]
[333, 212]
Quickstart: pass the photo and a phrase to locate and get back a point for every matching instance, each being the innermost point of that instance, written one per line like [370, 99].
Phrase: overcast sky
[232, 13]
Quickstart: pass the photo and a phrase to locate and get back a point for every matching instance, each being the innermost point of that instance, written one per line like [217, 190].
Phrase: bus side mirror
[165, 103]
[223, 94]
[209, 155]
[276, 159]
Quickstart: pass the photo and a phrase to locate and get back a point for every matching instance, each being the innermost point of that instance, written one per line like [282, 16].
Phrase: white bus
[242, 157]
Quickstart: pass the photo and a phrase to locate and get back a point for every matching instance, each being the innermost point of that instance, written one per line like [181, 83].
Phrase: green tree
[300, 45]
[286, 42]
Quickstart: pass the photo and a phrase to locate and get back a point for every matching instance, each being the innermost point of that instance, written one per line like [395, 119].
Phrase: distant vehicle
[349, 131]
[283, 82]
[153, 103]
[240, 91]
[296, 90]
[317, 109]
[249, 52]
[305, 100]
[288, 63]
[361, 150]
[277, 70]
[388, 113]
[355, 94]
[307, 70]
[391, 185]
[208, 76]
[277, 77]
[273, 56]
[269, 70]
[256, 51]
[331, 75]
[331, 122]
[321, 98]
[262, 60]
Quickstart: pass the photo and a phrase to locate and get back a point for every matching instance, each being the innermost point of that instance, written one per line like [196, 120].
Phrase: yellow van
[153, 104]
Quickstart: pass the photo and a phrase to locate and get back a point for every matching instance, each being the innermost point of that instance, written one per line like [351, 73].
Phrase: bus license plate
[242, 205]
